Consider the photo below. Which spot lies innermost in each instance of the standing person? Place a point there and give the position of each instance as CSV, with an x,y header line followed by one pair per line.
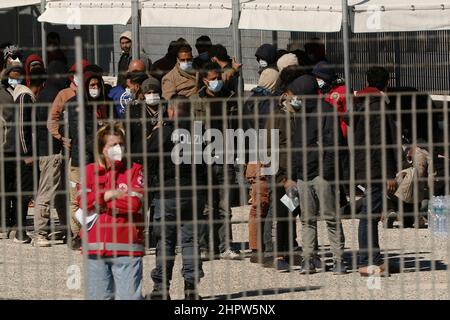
x,y
94,96
114,243
374,98
11,77
314,168
49,151
25,99
125,57
170,207
207,101
163,66
54,52
256,112
33,61
203,44
182,79
266,56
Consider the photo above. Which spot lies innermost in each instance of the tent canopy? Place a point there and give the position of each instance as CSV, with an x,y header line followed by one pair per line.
x,y
17,3
91,12
400,15
289,15
186,13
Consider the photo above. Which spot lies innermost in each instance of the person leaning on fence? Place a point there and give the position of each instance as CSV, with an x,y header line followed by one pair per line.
x,y
373,99
112,220
94,96
49,151
210,107
256,112
314,158
171,206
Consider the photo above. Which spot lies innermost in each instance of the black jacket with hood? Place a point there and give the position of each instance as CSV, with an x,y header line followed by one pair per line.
x,y
317,148
90,121
268,53
56,81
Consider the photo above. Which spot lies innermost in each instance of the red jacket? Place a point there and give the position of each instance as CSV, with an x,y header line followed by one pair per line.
x,y
336,97
120,224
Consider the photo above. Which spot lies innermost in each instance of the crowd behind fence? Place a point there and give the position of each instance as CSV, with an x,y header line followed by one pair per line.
x,y
166,170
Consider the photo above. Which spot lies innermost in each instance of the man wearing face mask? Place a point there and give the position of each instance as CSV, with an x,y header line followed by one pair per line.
x,y
182,79
266,56
203,44
125,57
94,96
316,167
208,108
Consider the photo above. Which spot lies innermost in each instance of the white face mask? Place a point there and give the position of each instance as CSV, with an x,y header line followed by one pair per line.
x,y
116,153
186,66
320,83
14,82
94,93
215,85
152,99
263,63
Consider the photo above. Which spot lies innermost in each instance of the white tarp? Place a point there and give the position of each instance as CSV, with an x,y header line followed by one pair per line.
x,y
400,15
290,15
17,3
87,12
186,13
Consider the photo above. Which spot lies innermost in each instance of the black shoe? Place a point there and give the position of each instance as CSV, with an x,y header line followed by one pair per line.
x,y
22,237
190,291
308,267
158,295
257,257
339,268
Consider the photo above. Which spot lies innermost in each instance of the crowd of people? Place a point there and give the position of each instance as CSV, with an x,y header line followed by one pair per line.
x,y
130,175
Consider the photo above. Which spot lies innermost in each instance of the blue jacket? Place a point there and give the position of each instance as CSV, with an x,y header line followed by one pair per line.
x,y
120,99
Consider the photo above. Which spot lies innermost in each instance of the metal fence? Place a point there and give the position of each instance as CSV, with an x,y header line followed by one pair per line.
x,y
226,223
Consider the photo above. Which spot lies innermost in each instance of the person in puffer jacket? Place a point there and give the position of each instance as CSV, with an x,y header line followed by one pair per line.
x,y
110,212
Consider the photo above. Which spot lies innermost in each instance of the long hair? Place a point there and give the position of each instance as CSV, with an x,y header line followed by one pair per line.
x,y
109,128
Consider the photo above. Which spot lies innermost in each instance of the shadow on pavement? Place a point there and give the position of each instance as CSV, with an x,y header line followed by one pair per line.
x,y
261,292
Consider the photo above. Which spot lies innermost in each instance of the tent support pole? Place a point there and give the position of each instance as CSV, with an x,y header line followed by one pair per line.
x,y
135,29
43,36
95,30
237,49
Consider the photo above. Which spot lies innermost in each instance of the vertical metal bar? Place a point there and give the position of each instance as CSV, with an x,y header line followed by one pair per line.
x,y
346,40
96,56
275,39
135,28
237,49
43,35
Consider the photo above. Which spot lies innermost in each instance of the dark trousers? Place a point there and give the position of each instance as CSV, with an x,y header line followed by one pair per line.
x,y
369,247
168,222
11,212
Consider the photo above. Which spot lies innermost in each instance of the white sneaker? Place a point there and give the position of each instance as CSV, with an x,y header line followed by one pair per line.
x,y
40,241
230,255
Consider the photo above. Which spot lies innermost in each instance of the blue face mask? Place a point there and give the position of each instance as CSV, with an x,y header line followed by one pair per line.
x,y
186,66
14,82
296,103
215,85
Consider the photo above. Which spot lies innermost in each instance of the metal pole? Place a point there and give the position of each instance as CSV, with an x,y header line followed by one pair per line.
x,y
135,28
275,39
95,30
82,138
43,36
237,49
346,41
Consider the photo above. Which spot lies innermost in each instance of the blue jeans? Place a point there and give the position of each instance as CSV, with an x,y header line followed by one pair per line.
x,y
117,278
369,247
166,233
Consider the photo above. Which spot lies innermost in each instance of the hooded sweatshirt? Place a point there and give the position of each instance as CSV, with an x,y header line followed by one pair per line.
x,y
268,53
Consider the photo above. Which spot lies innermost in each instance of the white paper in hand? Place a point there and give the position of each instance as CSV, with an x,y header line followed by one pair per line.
x,y
291,205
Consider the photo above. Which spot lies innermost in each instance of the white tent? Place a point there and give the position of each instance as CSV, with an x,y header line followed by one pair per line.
x,y
186,13
289,15
400,15
4,4
92,12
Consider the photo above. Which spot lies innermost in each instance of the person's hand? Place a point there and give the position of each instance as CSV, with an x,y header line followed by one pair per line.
x,y
113,194
226,76
235,65
289,184
66,142
391,186
28,161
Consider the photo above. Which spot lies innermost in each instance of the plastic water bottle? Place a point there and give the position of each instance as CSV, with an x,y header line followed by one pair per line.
x,y
432,215
441,219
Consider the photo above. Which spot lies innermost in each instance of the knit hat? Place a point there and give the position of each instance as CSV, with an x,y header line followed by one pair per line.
x,y
126,34
324,71
151,84
289,59
268,79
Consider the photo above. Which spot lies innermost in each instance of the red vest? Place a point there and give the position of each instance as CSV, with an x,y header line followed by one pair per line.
x,y
336,97
120,224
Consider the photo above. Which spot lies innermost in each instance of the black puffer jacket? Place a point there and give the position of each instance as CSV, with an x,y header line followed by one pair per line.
x,y
56,82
